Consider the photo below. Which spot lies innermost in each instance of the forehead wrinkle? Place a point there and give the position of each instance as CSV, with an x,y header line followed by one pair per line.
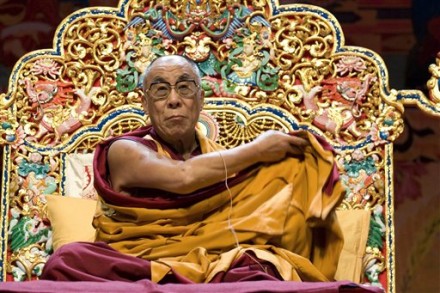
x,y
182,77
158,79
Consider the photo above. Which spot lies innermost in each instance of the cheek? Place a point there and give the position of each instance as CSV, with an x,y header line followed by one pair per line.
x,y
195,110
198,104
155,108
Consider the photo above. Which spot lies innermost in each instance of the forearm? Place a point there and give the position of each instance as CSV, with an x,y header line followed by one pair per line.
x,y
210,168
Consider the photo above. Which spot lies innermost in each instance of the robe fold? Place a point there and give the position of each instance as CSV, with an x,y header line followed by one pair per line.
x,y
281,214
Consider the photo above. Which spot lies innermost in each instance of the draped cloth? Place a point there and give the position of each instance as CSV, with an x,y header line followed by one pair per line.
x,y
280,213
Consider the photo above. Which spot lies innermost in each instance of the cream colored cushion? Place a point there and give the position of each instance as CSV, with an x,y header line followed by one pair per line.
x,y
71,219
355,226
78,176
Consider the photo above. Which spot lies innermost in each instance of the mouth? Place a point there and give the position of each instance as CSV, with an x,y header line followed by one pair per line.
x,y
175,117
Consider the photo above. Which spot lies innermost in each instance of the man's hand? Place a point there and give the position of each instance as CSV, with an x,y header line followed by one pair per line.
x,y
273,146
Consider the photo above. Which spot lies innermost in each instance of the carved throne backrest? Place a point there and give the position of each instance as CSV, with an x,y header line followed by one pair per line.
x,y
264,66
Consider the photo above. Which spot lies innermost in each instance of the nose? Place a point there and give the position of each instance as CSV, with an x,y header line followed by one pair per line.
x,y
174,100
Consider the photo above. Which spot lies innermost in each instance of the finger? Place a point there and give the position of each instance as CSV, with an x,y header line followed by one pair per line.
x,y
296,150
299,141
299,133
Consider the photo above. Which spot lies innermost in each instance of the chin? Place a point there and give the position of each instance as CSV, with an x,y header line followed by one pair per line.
x,y
177,132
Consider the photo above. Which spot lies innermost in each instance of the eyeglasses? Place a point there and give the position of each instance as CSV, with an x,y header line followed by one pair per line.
x,y
184,88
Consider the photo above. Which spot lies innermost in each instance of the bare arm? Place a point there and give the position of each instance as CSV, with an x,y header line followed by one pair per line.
x,y
135,165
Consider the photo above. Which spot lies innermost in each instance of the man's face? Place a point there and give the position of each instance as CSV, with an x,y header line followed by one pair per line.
x,y
174,116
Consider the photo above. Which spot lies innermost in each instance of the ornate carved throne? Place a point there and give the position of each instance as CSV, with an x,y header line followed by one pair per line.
x,y
264,66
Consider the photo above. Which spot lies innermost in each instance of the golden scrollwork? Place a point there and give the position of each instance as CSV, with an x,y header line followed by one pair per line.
x,y
236,130
27,263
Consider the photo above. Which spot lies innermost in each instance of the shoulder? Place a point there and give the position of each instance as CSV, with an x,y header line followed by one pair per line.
x,y
128,146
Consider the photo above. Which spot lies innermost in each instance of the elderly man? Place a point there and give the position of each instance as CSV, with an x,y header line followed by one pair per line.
x,y
176,207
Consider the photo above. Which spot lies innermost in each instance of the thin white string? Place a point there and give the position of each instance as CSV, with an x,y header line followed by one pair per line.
x,y
230,226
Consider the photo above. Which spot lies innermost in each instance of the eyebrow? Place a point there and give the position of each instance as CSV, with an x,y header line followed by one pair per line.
x,y
157,79
183,77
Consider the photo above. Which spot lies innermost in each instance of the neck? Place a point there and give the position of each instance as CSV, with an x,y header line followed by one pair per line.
x,y
183,146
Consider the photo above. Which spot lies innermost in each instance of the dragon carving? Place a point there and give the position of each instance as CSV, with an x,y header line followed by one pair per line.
x,y
342,97
49,100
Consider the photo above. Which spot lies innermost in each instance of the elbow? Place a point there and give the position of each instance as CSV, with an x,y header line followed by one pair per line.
x,y
185,182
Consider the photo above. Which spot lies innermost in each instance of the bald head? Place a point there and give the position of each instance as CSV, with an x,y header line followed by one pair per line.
x,y
169,59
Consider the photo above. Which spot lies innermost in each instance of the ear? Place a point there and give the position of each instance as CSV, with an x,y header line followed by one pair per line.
x,y
202,99
145,103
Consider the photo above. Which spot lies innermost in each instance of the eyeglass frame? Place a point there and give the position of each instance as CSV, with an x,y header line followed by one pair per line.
x,y
172,86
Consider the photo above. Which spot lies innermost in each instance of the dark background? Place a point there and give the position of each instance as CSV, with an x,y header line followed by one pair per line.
x,y
406,33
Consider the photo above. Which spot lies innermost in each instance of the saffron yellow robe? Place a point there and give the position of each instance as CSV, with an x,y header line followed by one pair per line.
x,y
280,212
